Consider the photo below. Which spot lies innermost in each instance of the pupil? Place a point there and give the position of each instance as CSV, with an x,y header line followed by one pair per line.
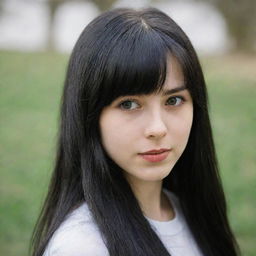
x,y
172,101
127,104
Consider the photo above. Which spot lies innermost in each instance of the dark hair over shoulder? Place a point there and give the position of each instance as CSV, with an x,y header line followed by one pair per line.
x,y
122,52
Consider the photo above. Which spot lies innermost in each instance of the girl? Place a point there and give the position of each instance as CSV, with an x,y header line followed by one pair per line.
x,y
136,172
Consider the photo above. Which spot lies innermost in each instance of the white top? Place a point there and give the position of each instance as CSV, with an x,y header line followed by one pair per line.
x,y
78,235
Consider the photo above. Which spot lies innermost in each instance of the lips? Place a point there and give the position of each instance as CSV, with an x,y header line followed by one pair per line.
x,y
155,155
156,151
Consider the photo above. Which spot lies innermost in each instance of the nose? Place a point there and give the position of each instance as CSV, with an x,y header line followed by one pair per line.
x,y
156,127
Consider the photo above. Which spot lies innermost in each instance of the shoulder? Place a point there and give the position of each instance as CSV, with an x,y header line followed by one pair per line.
x,y
77,235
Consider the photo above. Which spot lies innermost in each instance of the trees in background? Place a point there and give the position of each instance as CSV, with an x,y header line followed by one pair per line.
x,y
53,5
1,7
240,17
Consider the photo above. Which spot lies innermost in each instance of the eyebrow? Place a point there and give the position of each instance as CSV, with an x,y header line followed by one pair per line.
x,y
164,92
174,90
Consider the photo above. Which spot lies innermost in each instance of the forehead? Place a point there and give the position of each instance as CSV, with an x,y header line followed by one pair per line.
x,y
174,72
174,76
141,76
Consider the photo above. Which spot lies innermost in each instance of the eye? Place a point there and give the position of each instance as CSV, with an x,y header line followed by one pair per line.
x,y
129,105
175,100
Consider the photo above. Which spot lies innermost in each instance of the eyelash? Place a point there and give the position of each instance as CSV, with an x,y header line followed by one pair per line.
x,y
181,98
127,100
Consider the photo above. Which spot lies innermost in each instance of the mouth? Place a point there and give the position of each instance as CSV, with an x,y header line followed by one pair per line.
x,y
155,155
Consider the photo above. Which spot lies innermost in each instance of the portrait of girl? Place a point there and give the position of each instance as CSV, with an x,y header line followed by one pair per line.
x,y
136,171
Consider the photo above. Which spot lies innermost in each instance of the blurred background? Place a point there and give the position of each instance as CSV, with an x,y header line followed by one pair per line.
x,y
36,38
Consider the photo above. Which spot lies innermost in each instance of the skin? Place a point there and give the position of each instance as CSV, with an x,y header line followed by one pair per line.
x,y
134,124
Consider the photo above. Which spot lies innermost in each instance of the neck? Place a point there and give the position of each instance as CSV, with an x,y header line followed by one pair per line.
x,y
153,202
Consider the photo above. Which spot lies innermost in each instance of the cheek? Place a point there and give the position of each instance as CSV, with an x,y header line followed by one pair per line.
x,y
182,129
108,134
113,130
114,134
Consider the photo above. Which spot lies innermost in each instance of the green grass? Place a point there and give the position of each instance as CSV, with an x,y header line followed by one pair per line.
x,y
232,91
30,90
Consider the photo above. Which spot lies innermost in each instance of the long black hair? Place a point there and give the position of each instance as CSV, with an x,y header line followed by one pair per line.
x,y
125,51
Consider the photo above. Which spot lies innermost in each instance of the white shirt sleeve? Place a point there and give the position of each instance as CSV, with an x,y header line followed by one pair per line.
x,y
76,241
77,236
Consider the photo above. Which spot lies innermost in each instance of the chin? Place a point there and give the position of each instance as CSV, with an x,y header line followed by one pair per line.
x,y
154,175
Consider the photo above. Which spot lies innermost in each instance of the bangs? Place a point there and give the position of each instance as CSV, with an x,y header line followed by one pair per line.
x,y
136,65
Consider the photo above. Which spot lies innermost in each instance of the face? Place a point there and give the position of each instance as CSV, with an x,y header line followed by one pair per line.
x,y
146,134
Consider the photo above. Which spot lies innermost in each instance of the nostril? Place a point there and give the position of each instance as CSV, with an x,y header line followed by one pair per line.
x,y
156,132
155,126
